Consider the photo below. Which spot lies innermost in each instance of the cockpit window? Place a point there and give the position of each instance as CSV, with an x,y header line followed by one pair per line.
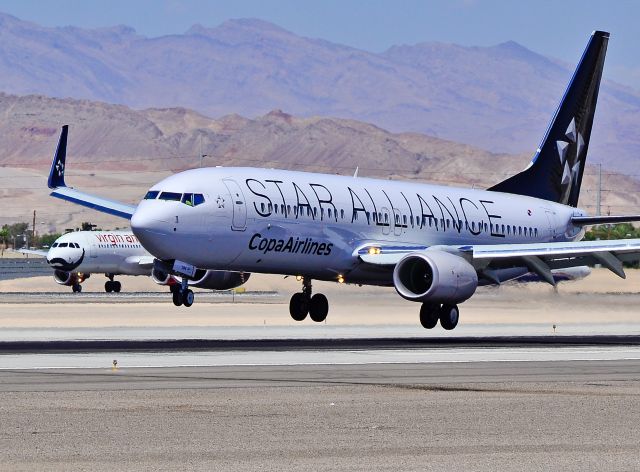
x,y
62,245
187,199
151,195
54,245
170,196
192,199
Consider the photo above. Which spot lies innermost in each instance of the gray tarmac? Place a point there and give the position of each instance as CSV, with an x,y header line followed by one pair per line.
x,y
561,415
234,384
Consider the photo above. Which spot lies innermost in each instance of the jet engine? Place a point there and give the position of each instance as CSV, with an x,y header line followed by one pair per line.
x,y
69,278
435,276
162,278
218,279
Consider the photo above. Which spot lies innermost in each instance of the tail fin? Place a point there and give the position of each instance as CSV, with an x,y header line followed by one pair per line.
x,y
555,173
56,174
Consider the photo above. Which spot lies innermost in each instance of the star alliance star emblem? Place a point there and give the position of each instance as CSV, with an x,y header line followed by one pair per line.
x,y
220,202
60,168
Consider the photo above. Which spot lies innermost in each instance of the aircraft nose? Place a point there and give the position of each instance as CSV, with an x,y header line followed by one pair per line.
x,y
151,230
65,259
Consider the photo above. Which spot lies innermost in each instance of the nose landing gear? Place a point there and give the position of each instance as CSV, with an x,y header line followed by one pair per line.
x,y
112,285
182,294
303,304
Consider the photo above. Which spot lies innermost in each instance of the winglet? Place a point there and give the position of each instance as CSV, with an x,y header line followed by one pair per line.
x,y
56,175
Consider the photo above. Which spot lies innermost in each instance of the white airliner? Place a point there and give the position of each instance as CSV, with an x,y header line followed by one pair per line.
x,y
434,244
75,256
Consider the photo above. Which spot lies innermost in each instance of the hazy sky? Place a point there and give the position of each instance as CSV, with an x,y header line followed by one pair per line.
x,y
554,28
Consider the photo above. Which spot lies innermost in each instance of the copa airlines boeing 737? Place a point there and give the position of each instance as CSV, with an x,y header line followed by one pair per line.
x,y
75,256
434,244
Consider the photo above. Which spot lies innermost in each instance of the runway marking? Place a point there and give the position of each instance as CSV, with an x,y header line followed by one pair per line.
x,y
303,358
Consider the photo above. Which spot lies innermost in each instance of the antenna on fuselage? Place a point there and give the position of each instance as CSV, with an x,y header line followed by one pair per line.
x,y
355,174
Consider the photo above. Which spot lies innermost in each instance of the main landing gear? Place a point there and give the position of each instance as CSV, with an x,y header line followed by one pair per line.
x,y
112,285
303,304
182,294
448,315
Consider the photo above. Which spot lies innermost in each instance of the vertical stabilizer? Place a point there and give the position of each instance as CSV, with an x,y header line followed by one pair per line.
x,y
555,172
56,174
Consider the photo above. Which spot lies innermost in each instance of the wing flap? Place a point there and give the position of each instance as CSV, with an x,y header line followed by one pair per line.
x,y
556,250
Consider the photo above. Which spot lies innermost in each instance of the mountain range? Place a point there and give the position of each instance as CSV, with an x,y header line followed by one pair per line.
x,y
498,98
119,152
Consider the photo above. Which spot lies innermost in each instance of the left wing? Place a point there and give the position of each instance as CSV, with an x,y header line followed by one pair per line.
x,y
60,189
540,258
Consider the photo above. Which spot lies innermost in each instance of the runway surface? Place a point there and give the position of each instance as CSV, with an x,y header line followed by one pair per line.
x,y
547,385
484,416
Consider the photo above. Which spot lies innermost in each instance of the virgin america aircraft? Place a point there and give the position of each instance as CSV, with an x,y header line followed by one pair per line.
x,y
75,256
434,244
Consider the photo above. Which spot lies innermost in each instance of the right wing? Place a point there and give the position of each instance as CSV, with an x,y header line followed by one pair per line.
x,y
60,190
34,252
539,258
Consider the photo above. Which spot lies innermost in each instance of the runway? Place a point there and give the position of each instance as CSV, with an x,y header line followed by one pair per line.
x,y
484,416
237,385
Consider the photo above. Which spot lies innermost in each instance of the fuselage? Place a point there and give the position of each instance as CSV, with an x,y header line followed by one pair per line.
x,y
286,222
112,252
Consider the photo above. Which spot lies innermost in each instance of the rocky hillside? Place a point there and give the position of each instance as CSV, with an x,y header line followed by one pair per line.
x,y
499,98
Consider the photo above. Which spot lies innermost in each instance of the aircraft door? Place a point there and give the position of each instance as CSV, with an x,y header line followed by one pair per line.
x,y
93,247
239,221
552,227
386,220
397,222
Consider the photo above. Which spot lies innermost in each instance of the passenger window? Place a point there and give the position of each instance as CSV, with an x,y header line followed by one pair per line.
x,y
151,195
171,196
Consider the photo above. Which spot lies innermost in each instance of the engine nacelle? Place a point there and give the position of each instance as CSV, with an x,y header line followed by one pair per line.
x,y
162,278
218,279
69,278
435,276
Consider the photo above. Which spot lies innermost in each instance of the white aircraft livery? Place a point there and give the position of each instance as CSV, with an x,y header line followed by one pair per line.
x,y
434,244
75,256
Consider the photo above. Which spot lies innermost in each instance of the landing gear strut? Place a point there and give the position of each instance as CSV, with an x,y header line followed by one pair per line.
x,y
303,304
182,294
448,315
112,285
